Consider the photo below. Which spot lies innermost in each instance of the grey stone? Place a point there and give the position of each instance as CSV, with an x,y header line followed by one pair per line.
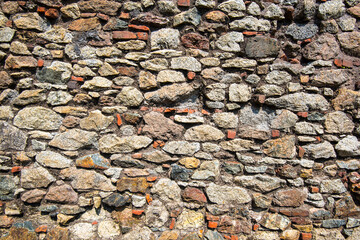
x,y
11,137
131,45
36,177
38,118
324,234
6,34
250,23
262,47
208,170
179,173
253,79
239,92
186,63
167,190
170,76
57,34
205,3
273,11
261,183
156,64
58,98
167,7
275,221
160,127
191,16
7,188
57,73
143,233
349,164
71,11
170,94
270,90
53,160
181,147
236,145
332,186
156,214
302,31
309,128
338,122
331,78
111,143
213,235
230,42
300,102
227,195
203,133
74,139
30,21
166,38
6,113
189,119
241,63
233,8
323,48
30,96
278,77
348,146
129,96
254,9
350,42
320,150
333,223
225,120
331,9
97,84
347,23
19,48
96,121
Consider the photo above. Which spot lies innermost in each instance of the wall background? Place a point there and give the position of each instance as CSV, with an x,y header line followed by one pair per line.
x,y
179,119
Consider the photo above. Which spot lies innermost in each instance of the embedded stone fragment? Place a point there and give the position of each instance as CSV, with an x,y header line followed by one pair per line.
x,y
170,93
261,183
117,200
241,63
130,96
6,113
82,230
181,147
7,188
57,73
324,48
261,47
190,219
320,150
5,79
57,34
281,148
203,133
195,40
11,138
35,177
61,194
324,234
227,195
58,98
151,19
20,233
111,143
350,41
87,180
103,6
332,78
160,127
74,139
53,160
97,84
84,24
338,122
136,233
30,21
250,23
157,157
96,121
348,146
302,31
186,63
191,16
236,145
147,80
131,45
165,38
191,194
233,7
167,190
19,48
300,102
38,118
108,230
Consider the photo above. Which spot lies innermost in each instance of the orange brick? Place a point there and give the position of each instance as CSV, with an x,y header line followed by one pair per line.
x,y
142,36
212,224
151,179
284,57
52,13
137,155
249,33
15,169
210,217
306,236
256,227
40,63
41,229
301,152
103,16
94,222
231,134
172,224
124,15
203,111
307,40
227,237
191,111
184,3
170,110
158,109
137,212
79,79
303,114
165,165
233,237
124,35
314,189
139,27
128,71
118,121
87,15
139,130
275,133
143,108
338,62
148,199
41,9
22,3
191,75
294,61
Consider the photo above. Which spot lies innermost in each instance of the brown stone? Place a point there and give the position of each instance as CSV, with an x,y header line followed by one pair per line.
x,y
160,127
16,62
191,194
5,221
102,6
281,147
125,219
346,99
61,194
216,16
246,132
355,11
20,234
234,226
346,207
58,233
290,198
84,24
324,48
287,171
350,41
195,40
71,121
169,235
5,80
33,196
132,184
150,19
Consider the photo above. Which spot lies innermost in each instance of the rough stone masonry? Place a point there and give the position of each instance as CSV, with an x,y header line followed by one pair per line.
x,y
179,119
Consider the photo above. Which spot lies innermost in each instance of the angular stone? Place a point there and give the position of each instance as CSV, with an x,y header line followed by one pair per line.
x,y
107,70
103,6
96,121
233,7
130,96
324,234
74,139
231,225
260,183
57,34
82,230
332,186
69,110
290,198
7,188
19,48
350,42
302,31
346,207
300,102
143,233
35,177
331,78
117,200
6,113
157,157
262,47
53,160
169,235
87,180
239,92
131,45
147,80
271,90
16,62
273,11
338,122
167,190
320,150
93,161
225,120
179,173
213,235
203,133
324,48
230,42
30,96
241,63
59,98
57,73
108,230
97,84
84,24
191,16
156,215
30,21
195,40
165,38
332,9
250,23
156,64
161,127
237,145
346,99
71,11
190,219
308,128
61,194
227,195
38,118
170,93
6,34
278,77
186,63
5,80
20,233
275,221
111,143
191,194
168,7
151,19
11,138
181,147
281,148
170,76
348,146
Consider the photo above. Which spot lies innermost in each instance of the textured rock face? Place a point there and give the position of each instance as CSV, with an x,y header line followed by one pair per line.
x,y
179,119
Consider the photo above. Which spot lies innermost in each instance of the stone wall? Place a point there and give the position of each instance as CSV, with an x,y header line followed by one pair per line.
x,y
184,119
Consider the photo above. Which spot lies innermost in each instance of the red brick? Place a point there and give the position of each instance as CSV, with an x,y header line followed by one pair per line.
x,y
15,169
40,63
212,224
41,229
151,179
256,227
191,75
294,61
87,15
124,15
172,224
148,199
118,120
314,189
52,13
142,36
94,222
139,27
184,3
137,155
249,33
41,9
306,236
143,108
166,165
137,212
307,40
304,78
231,134
338,62
124,35
233,237
203,111
275,133
79,79
103,16
22,3
303,114
261,98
